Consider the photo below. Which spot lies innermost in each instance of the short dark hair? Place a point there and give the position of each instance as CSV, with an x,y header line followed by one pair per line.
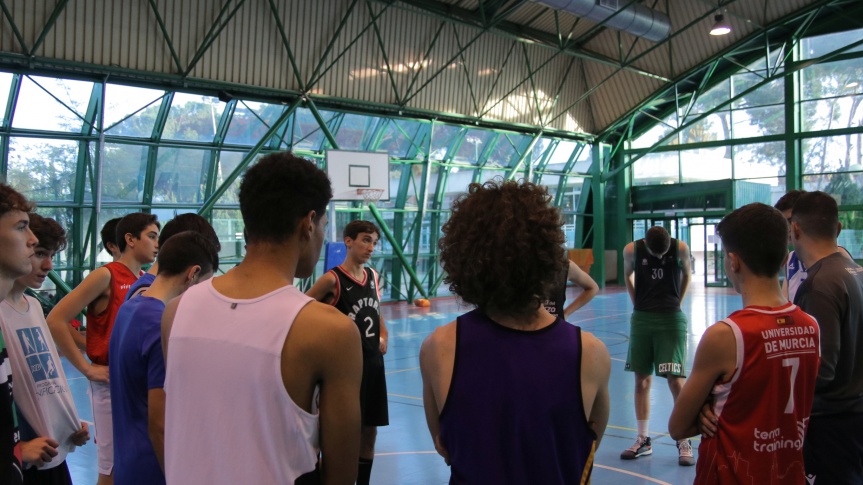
x,y
134,224
12,200
354,228
818,215
49,232
186,249
277,192
189,222
786,202
109,233
758,235
657,240
502,247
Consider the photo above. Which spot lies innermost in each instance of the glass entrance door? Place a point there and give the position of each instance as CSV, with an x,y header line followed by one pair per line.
x,y
706,249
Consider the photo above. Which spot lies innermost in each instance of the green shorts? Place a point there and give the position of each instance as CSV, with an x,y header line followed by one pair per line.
x,y
657,344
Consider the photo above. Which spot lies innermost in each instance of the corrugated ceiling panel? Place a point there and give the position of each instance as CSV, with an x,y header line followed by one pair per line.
x,y
249,50
619,94
29,17
356,47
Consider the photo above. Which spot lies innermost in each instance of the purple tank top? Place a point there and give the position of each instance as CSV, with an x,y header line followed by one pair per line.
x,y
514,412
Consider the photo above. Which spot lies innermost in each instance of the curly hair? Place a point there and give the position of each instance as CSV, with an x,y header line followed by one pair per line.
x,y
502,247
12,200
49,232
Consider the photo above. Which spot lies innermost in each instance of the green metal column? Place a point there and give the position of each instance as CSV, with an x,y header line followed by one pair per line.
x,y
793,158
622,227
600,153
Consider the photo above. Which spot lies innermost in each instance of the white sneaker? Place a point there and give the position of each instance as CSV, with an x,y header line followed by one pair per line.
x,y
684,450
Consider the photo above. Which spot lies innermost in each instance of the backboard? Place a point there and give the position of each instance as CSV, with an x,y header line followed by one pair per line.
x,y
353,170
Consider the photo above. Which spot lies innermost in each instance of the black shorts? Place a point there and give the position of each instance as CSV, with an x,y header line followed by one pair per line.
x,y
59,475
373,392
833,449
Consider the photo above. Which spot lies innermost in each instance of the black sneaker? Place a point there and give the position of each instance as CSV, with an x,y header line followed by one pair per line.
x,y
640,448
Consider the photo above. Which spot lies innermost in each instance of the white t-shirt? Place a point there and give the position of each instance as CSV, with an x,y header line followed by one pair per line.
x,y
41,390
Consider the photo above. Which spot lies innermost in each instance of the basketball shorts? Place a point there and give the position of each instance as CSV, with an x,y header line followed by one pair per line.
x,y
373,392
657,344
100,397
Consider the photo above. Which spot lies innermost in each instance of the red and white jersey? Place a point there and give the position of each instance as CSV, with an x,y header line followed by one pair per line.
x,y
763,409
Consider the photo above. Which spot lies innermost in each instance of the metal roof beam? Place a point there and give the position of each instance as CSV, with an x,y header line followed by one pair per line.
x,y
517,32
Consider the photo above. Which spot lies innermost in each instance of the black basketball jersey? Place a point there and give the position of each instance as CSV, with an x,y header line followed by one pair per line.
x,y
359,300
557,301
657,280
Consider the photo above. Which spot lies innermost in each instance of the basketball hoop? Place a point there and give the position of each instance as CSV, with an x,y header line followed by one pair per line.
x,y
370,196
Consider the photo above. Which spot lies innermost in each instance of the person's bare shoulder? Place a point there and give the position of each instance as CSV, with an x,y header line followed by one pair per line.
x,y
441,340
325,329
596,356
629,249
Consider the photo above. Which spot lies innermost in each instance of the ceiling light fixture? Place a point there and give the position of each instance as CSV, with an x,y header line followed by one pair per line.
x,y
720,27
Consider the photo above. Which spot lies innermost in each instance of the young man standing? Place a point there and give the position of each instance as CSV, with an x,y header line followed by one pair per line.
x,y
250,346
658,329
101,293
757,366
556,305
136,365
512,395
17,244
183,222
833,294
353,289
51,428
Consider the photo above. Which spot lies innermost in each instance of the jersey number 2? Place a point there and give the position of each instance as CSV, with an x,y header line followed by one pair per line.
x,y
794,363
371,323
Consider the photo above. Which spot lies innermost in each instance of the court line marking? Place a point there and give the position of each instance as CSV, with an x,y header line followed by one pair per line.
x,y
627,472
619,360
596,465
401,370
600,317
405,397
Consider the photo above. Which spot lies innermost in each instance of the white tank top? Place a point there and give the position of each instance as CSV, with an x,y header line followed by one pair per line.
x,y
42,392
228,418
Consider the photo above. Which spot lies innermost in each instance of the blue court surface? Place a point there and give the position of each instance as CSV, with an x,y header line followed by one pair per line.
x,y
405,454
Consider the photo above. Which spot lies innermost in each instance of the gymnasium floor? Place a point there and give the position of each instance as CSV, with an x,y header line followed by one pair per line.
x,y
405,455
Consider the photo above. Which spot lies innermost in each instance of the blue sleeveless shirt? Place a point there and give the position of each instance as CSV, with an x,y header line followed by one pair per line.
x,y
514,413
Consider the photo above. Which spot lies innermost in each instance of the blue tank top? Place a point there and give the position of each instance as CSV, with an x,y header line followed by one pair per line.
x,y
514,413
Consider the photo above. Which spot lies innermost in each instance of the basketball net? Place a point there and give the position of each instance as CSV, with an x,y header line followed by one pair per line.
x,y
371,196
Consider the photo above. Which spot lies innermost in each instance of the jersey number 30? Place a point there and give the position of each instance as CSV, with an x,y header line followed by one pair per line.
x,y
657,274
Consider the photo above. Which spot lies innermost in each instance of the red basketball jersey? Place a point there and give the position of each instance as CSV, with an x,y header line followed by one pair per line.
x,y
99,326
764,408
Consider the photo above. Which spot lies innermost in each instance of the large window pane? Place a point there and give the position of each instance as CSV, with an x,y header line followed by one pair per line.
x,y
768,94
752,122
229,227
832,79
846,188
851,237
813,47
656,168
473,145
832,154
251,121
658,132
714,127
131,111
307,132
354,131
52,104
193,118
443,137
398,136
759,160
43,169
705,164
123,172
829,114
180,176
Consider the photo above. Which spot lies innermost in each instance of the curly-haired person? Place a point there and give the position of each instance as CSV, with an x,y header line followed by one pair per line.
x,y
511,393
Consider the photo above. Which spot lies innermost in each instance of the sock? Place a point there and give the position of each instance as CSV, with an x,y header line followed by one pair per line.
x,y
364,471
642,427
